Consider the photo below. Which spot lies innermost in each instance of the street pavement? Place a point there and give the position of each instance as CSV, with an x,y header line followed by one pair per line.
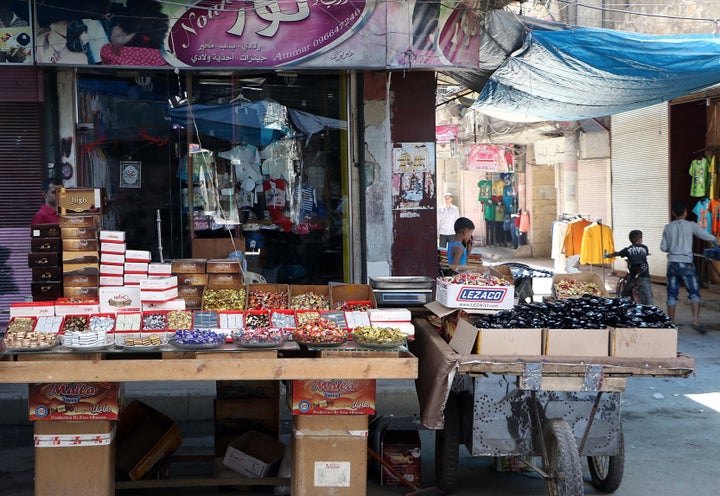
x,y
671,428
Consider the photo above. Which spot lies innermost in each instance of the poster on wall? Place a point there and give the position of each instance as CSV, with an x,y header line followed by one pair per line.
x,y
490,158
15,32
261,34
413,176
130,174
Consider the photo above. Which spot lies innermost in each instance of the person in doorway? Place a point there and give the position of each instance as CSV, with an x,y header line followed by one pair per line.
x,y
446,217
461,246
638,268
47,214
677,242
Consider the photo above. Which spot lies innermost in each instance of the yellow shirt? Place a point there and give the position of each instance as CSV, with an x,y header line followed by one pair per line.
x,y
596,241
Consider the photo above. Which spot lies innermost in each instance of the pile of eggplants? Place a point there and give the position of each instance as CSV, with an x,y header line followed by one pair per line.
x,y
586,312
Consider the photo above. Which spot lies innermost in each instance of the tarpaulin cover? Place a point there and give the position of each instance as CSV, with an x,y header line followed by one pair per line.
x,y
565,73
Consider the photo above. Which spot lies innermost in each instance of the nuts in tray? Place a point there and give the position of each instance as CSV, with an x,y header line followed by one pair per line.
x,y
75,323
389,336
570,288
21,324
29,339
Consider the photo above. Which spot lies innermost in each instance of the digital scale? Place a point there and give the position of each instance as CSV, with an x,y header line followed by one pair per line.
x,y
402,291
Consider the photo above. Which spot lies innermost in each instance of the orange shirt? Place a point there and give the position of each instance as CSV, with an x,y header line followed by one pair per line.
x,y
573,237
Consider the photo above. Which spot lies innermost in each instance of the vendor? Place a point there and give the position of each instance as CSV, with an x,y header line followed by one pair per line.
x,y
458,250
47,214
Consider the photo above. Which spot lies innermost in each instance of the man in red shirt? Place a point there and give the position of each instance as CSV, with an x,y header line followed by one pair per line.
x,y
48,211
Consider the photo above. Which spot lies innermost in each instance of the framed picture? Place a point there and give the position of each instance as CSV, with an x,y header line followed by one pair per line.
x,y
130,174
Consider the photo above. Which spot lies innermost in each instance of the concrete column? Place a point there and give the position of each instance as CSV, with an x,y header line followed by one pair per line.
x,y
570,172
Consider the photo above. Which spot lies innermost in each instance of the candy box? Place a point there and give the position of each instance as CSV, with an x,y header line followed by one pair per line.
x,y
117,236
45,231
32,308
189,265
80,244
75,401
226,266
76,306
120,298
351,292
80,221
160,269
489,297
575,285
224,280
80,291
309,297
266,296
139,256
72,201
332,397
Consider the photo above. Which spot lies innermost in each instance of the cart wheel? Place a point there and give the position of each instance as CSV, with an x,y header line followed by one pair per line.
x,y
447,446
563,464
606,472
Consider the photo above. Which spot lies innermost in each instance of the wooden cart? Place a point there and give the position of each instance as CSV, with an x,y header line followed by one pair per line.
x,y
556,408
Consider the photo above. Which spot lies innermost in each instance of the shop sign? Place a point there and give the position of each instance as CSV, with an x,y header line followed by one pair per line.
x,y
16,33
490,158
446,133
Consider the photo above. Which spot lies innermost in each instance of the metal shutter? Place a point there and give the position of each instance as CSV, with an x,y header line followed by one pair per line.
x,y
593,189
21,166
640,178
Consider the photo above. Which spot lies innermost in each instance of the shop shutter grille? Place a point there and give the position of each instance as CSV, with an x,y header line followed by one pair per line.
x,y
640,179
593,187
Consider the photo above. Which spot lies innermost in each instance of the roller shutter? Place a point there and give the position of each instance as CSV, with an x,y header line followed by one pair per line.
x,y
640,177
21,166
594,189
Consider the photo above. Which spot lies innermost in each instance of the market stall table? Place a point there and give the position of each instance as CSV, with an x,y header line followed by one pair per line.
x,y
228,362
530,405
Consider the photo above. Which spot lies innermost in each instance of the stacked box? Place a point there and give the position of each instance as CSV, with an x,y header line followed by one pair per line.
x,y
80,255
244,406
45,262
192,278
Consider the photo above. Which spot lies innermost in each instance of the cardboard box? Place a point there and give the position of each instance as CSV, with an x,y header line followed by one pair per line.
x,y
45,291
80,201
112,259
45,231
577,342
113,247
332,397
136,267
43,259
318,289
145,437
84,268
112,281
224,280
78,233
176,304
402,449
469,339
643,342
352,292
47,274
74,401
159,269
581,278
39,245
112,236
192,279
138,256
134,279
122,298
478,297
32,309
111,269
159,283
77,306
62,447
193,291
254,454
81,291
329,455
81,281
189,265
157,295
223,266
77,257
80,221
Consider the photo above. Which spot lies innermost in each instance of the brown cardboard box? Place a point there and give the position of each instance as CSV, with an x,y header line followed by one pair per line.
x,y
643,342
185,291
577,342
84,268
144,438
329,455
352,292
301,289
80,221
39,245
61,447
469,339
81,291
223,265
80,244
81,281
77,401
44,291
45,230
234,417
580,277
192,279
254,454
49,274
76,257
189,265
43,260
71,201
402,450
78,233
224,280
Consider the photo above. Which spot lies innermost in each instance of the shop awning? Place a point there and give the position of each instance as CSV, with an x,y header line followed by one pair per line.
x,y
565,73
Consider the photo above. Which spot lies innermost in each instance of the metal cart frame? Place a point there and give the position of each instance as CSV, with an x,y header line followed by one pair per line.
x,y
556,408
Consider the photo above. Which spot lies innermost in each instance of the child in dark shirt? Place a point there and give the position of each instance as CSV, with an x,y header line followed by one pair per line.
x,y
636,255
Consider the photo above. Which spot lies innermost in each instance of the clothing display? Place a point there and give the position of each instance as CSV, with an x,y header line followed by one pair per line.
x,y
246,162
596,241
573,237
524,224
715,213
704,214
484,190
699,172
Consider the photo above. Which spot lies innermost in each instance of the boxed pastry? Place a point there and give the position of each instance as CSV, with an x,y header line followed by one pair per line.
x,y
138,256
78,233
72,201
111,280
82,268
215,266
112,259
77,306
45,230
74,401
32,308
43,260
47,274
46,291
122,298
81,291
189,265
38,245
80,221
134,279
111,269
112,247
159,269
332,397
76,257
80,244
118,236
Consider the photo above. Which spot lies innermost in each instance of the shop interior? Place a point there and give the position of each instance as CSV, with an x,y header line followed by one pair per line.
x,y
263,154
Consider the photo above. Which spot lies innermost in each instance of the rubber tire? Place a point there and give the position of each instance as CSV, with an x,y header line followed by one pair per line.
x,y
606,472
563,460
620,287
447,447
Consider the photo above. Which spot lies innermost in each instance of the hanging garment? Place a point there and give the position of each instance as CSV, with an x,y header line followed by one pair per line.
x,y
484,190
699,172
704,214
713,179
573,237
524,225
596,241
715,212
559,229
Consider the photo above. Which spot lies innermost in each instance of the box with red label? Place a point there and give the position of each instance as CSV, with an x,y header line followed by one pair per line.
x,y
120,298
402,450
112,247
474,296
112,280
138,256
117,236
80,221
135,267
32,308
111,269
134,279
75,401
112,259
76,306
159,269
332,397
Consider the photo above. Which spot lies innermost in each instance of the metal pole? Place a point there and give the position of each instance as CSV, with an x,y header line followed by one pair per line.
x,y
159,234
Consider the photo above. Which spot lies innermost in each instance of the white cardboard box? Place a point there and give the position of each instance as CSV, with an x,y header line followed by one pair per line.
x,y
389,314
120,298
159,283
32,309
253,454
112,259
111,281
577,342
134,279
138,256
159,269
176,304
157,295
112,236
111,269
468,296
469,339
112,247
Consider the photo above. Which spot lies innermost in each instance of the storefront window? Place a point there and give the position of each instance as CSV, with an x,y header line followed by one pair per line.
x,y
264,156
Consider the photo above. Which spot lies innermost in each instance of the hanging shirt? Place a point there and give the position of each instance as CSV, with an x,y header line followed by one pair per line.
x,y
508,196
499,213
246,161
489,211
704,214
274,194
713,180
715,212
596,241
484,190
497,190
573,237
559,229
524,225
699,172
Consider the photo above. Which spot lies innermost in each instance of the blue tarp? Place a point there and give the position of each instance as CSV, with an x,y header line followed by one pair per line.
x,y
575,73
